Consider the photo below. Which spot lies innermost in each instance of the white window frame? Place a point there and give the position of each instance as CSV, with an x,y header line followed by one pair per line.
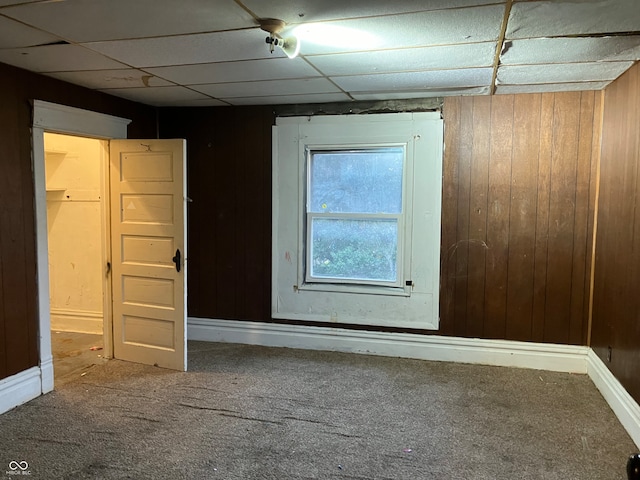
x,y
305,279
414,303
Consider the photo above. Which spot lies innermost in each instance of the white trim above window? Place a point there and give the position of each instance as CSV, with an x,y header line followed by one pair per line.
x,y
400,227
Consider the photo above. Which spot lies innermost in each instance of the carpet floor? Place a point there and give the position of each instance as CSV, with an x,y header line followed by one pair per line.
x,y
248,412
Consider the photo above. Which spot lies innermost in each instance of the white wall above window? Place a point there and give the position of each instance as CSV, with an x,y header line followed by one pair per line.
x,y
413,300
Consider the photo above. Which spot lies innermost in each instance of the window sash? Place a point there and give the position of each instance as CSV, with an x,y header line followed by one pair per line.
x,y
398,219
365,155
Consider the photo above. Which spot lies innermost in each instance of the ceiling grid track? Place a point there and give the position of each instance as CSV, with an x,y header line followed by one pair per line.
x,y
500,45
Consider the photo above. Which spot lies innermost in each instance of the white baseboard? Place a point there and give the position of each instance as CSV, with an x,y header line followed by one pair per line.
x,y
19,388
623,405
46,371
542,356
80,321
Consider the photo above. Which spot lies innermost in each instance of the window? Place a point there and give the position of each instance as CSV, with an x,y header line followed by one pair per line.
x,y
356,219
354,216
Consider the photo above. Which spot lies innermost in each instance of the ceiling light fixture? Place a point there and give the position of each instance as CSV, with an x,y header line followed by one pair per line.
x,y
289,45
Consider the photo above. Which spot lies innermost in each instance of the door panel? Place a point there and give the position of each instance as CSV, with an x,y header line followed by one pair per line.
x,y
147,228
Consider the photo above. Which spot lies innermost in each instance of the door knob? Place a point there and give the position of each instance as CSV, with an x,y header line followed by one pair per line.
x,y
177,259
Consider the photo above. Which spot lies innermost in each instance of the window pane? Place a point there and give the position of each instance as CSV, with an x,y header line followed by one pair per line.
x,y
356,181
354,249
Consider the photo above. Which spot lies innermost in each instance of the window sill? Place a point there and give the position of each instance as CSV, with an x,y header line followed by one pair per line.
x,y
361,289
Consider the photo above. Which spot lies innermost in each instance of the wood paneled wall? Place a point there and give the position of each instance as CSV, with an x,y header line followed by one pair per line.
x,y
229,234
18,315
616,304
519,192
18,347
517,217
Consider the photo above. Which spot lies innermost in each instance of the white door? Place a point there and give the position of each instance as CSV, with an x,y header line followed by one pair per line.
x,y
148,240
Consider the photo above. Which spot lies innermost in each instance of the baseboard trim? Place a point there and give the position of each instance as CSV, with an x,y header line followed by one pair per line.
x,y
81,321
623,405
541,356
46,371
19,388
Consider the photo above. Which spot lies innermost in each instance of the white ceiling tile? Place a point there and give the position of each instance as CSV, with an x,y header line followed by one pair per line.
x,y
314,10
268,88
248,70
85,21
372,49
551,87
441,27
560,73
99,79
430,80
54,58
157,96
400,95
189,49
570,50
14,34
552,18
423,58
289,99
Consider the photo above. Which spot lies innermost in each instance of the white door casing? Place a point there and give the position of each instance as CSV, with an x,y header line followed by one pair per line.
x,y
148,239
56,118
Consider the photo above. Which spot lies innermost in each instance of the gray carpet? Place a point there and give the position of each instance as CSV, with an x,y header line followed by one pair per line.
x,y
245,412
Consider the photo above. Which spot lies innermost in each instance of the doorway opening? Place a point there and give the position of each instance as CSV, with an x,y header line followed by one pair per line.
x,y
51,117
76,184
144,222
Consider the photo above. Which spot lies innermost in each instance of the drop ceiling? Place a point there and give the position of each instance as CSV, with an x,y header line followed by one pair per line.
x,y
213,52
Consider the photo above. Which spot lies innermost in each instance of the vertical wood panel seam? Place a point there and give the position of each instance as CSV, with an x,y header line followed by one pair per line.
x,y
506,303
575,207
535,224
455,165
457,161
447,252
546,273
470,201
596,134
31,324
595,221
463,170
486,224
587,271
535,178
